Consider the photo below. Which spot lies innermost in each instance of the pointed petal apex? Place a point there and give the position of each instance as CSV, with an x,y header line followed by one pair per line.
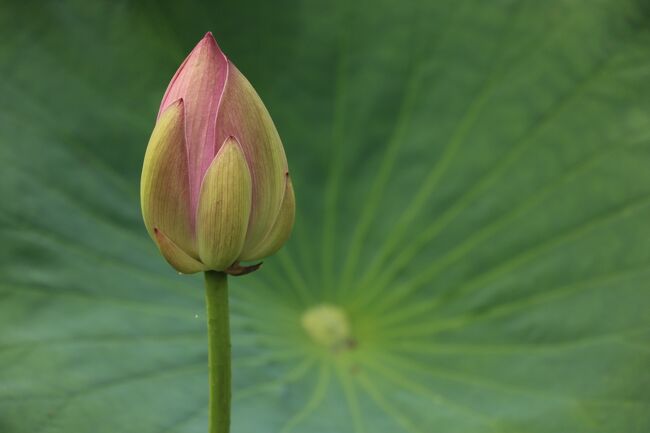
x,y
281,229
175,256
224,207
208,37
164,185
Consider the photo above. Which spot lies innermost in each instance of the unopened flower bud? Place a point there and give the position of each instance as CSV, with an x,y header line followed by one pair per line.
x,y
215,187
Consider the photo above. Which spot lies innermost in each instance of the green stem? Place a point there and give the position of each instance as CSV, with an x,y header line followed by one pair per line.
x,y
216,297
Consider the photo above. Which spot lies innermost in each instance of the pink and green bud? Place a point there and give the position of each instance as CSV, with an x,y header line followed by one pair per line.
x,y
215,186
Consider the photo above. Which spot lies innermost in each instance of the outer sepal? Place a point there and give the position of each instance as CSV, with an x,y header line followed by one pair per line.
x,y
164,186
237,270
175,256
243,115
281,229
224,207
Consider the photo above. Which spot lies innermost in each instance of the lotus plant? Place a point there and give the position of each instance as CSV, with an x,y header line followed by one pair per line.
x,y
215,191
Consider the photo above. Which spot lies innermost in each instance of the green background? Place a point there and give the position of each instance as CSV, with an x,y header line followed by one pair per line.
x,y
473,187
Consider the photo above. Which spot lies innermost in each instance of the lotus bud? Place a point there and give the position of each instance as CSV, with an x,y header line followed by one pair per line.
x,y
215,187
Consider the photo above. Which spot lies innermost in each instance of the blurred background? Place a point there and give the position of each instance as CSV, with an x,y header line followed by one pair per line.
x,y
473,189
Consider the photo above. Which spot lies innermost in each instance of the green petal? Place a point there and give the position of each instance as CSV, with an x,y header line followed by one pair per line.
x,y
224,207
281,229
243,115
164,185
175,256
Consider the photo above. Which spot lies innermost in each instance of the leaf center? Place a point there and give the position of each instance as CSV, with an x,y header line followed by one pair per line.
x,y
328,326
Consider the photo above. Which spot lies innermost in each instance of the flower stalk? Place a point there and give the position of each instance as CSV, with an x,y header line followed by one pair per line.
x,y
218,318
